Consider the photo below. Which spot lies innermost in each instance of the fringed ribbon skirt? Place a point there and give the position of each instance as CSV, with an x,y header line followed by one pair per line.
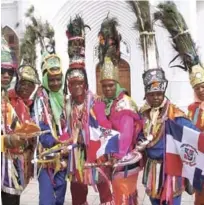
x,y
158,184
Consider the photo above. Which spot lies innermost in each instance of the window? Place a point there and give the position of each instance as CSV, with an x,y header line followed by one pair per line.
x,y
13,54
11,39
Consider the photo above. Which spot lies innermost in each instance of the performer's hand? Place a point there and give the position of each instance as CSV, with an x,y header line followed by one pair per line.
x,y
113,160
141,145
99,111
13,141
65,152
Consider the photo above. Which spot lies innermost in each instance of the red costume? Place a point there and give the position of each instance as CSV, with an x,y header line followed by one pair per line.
x,y
81,108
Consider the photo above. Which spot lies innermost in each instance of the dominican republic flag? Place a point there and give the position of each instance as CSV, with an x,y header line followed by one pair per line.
x,y
185,153
102,140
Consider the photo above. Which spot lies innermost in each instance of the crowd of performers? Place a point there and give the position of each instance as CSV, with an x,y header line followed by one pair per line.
x,y
46,124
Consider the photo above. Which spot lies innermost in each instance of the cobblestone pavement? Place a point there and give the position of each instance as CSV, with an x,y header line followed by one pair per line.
x,y
31,193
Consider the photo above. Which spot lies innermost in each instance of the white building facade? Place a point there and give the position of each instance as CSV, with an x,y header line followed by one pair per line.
x,y
58,13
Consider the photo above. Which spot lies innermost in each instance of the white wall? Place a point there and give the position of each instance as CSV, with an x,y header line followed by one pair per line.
x,y
12,13
200,28
9,14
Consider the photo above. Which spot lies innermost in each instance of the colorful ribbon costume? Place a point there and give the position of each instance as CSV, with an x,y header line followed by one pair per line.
x,y
122,113
160,187
84,112
191,63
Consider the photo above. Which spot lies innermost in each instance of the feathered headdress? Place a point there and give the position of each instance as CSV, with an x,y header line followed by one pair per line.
x,y
44,34
76,50
182,41
153,77
76,42
27,69
109,49
6,56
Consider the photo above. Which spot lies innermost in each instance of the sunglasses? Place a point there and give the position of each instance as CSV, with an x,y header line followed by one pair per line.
x,y
10,72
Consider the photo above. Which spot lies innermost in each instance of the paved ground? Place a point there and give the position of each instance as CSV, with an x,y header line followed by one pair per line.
x,y
30,196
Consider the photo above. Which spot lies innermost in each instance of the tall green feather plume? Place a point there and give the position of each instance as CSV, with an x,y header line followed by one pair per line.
x,y
28,47
144,25
36,32
41,32
109,41
76,29
182,41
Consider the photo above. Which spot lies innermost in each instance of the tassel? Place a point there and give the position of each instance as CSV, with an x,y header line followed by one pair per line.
x,y
3,168
14,176
190,115
80,164
57,163
93,183
50,176
154,180
202,118
70,177
149,178
21,171
39,171
70,164
90,177
86,176
195,117
9,168
173,184
37,109
96,176
167,193
158,171
146,171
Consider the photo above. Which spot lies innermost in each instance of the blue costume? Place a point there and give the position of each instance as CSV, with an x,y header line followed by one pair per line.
x,y
52,186
52,172
160,187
